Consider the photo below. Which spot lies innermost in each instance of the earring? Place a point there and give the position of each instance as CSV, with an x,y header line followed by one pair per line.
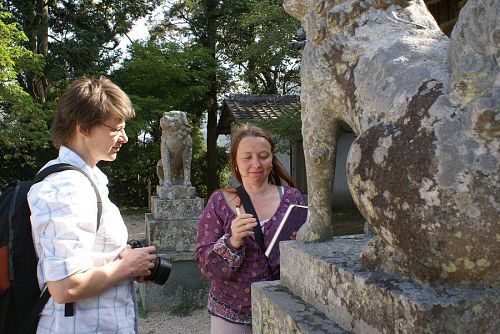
x,y
271,175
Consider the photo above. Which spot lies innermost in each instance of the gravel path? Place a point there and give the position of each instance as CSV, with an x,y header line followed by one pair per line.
x,y
162,322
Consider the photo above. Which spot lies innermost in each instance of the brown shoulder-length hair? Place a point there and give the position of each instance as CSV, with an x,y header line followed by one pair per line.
x,y
278,172
87,103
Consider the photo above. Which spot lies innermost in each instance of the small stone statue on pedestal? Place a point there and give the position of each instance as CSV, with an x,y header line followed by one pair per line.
x,y
174,168
171,226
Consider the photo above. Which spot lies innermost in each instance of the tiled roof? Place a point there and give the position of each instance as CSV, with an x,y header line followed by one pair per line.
x,y
247,108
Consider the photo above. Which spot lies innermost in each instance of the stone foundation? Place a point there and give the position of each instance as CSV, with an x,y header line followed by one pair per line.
x,y
171,235
172,227
175,192
272,301
328,276
184,286
176,209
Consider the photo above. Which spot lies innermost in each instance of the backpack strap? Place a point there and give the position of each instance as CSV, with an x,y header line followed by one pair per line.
x,y
64,166
247,204
31,320
45,296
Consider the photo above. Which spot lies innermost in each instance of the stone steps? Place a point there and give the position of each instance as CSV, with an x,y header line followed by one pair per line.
x,y
280,311
328,276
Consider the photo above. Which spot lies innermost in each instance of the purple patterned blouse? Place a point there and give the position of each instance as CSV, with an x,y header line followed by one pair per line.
x,y
231,270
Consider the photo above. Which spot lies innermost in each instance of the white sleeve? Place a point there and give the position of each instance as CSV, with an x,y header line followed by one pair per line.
x,y
64,220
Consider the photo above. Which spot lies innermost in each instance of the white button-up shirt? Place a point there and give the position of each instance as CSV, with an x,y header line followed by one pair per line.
x,y
64,221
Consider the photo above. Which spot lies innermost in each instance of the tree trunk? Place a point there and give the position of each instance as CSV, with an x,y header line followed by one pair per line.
x,y
36,27
42,36
211,102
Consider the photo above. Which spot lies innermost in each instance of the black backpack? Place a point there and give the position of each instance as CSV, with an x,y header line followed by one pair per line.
x,y
21,300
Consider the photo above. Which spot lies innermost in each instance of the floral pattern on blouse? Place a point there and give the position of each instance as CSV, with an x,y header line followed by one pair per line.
x,y
232,271
232,257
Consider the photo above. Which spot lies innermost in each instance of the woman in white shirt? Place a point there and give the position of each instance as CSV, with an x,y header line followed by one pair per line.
x,y
80,264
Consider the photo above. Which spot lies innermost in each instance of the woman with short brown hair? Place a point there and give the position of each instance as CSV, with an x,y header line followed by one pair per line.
x,y
85,263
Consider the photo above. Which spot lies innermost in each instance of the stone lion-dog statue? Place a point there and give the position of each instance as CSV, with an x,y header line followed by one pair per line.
x,y
174,167
424,168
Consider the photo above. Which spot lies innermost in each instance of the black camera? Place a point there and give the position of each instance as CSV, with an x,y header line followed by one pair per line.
x,y
161,269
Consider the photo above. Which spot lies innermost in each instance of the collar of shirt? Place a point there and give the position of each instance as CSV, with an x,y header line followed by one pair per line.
x,y
69,156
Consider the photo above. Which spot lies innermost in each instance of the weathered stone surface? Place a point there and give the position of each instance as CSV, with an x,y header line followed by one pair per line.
x,y
184,286
275,311
175,192
329,276
177,209
424,169
174,168
171,235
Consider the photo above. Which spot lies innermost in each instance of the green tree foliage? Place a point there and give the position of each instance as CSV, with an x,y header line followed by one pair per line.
x,y
174,74
220,46
73,38
257,43
158,77
198,20
23,126
76,37
287,127
248,39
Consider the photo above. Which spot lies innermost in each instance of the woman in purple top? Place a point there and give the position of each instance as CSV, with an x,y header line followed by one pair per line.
x,y
227,252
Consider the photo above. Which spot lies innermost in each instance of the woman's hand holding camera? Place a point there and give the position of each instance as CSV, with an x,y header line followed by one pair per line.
x,y
241,227
139,260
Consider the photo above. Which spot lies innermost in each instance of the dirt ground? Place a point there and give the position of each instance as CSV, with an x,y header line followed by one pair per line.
x,y
136,223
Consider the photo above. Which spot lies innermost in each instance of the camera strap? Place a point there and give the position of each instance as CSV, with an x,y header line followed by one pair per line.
x,y
247,204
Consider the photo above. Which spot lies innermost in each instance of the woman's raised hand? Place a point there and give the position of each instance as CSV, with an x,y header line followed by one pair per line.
x,y
241,227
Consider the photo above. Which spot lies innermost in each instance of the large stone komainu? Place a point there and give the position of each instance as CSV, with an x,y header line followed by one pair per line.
x,y
424,169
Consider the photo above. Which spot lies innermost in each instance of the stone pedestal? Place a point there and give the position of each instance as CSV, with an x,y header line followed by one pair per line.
x,y
185,285
172,227
171,235
176,192
323,288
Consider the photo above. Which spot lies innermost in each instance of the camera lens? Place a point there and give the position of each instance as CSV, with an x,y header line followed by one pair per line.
x,y
161,270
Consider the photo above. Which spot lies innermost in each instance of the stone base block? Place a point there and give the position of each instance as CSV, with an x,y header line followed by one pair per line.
x,y
176,192
176,209
329,276
171,235
276,310
185,286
